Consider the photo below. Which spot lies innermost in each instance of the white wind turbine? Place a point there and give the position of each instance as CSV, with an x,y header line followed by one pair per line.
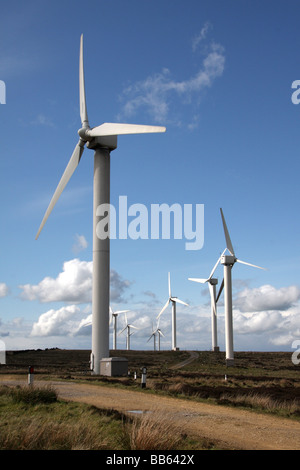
x,y
102,139
228,261
127,327
212,282
174,300
155,333
113,317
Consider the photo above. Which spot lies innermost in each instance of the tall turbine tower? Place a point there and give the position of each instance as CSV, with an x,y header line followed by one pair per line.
x,y
114,316
212,283
127,327
102,139
174,300
228,261
157,332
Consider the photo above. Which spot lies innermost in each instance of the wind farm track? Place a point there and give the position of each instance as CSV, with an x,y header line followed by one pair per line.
x,y
193,356
230,428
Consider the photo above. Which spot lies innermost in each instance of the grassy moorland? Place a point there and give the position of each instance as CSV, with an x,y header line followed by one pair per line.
x,y
34,418
266,381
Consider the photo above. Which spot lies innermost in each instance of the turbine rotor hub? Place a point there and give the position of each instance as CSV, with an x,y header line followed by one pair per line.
x,y
83,134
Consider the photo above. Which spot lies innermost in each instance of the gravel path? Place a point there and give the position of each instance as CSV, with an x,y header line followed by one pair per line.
x,y
232,428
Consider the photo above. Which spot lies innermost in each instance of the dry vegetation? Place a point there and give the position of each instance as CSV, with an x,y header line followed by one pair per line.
x,y
32,418
266,382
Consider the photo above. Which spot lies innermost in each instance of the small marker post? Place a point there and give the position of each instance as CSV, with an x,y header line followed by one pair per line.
x,y
30,375
144,375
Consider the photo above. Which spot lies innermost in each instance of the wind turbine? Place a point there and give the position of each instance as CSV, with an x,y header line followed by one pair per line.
x,y
102,139
128,326
174,300
228,261
212,282
114,316
155,333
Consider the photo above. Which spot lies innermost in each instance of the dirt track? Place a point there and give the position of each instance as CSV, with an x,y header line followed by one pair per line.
x,y
232,428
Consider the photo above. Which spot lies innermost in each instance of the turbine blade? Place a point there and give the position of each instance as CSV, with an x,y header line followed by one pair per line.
x,y
109,128
82,100
122,330
164,308
160,333
175,299
150,337
249,264
71,167
214,268
227,237
202,281
220,290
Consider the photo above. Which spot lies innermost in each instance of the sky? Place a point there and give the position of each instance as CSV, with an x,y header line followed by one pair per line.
x,y
221,76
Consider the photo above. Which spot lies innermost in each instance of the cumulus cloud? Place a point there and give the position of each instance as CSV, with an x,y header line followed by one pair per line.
x,y
55,322
156,93
73,284
267,297
258,322
118,286
4,289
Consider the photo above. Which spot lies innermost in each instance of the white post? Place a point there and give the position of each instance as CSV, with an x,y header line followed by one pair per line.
x,y
101,262
30,375
144,375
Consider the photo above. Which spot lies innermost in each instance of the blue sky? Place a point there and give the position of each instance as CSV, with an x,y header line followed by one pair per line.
x,y
218,75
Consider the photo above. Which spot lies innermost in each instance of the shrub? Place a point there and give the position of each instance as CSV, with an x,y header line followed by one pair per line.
x,y
32,395
154,431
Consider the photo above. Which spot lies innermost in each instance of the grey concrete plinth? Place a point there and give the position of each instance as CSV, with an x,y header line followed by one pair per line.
x,y
114,366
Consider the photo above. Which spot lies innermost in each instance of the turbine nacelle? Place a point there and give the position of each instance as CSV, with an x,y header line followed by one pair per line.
x,y
213,281
228,260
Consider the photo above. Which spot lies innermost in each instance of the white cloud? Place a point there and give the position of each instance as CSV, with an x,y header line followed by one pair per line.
x,y
258,322
157,93
73,284
55,322
201,36
267,297
4,289
79,244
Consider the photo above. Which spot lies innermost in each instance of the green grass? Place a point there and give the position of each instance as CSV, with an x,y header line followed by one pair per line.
x,y
34,419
